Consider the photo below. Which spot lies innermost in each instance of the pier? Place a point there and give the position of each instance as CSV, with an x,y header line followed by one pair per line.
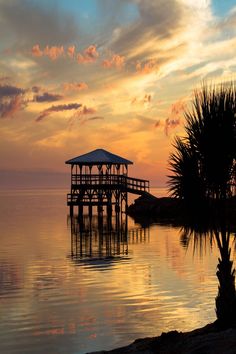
x,y
100,179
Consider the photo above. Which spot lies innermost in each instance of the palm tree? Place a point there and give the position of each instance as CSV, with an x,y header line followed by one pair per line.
x,y
185,181
199,235
209,147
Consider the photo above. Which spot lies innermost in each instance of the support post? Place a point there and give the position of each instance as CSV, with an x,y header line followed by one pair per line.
x,y
71,210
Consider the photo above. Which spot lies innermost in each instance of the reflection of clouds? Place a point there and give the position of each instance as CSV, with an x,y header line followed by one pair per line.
x,y
10,278
75,308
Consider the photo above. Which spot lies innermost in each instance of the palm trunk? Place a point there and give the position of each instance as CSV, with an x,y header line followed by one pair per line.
x,y
226,298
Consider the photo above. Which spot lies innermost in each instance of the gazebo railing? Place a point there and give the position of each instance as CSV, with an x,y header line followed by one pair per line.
x,y
109,180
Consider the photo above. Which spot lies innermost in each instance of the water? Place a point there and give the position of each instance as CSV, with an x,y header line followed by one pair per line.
x,y
60,293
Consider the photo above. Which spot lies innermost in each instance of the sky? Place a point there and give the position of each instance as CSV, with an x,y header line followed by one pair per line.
x,y
114,74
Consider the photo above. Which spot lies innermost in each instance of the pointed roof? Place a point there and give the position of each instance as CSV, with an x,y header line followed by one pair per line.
x,y
97,157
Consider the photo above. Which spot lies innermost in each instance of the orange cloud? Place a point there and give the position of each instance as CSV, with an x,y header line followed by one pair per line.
x,y
116,61
178,107
71,51
142,101
75,86
89,55
84,111
80,114
36,51
146,67
157,124
171,123
54,52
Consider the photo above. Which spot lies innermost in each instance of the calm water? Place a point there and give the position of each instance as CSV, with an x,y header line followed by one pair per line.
x,y
64,293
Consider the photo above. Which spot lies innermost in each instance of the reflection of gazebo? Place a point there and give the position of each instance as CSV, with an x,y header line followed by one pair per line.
x,y
97,240
100,178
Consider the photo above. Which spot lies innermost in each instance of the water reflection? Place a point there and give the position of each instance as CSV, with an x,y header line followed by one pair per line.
x,y
10,279
103,239
200,236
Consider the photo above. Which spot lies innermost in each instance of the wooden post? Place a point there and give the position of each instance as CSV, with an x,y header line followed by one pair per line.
x,y
90,210
80,210
71,210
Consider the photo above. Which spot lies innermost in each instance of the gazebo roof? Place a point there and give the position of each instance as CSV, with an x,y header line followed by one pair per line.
x,y
99,157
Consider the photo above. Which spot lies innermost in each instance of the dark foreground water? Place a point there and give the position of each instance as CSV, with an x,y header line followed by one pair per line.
x,y
61,292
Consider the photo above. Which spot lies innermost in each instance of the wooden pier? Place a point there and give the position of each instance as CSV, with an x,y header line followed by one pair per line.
x,y
100,179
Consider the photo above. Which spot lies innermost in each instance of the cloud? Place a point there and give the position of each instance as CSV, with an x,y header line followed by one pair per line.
x,y
178,107
11,100
91,119
117,61
89,55
147,67
71,51
174,120
142,101
171,123
54,52
28,22
81,113
47,97
84,111
157,19
228,23
35,89
10,107
4,78
96,118
8,91
75,86
36,51
58,108
158,123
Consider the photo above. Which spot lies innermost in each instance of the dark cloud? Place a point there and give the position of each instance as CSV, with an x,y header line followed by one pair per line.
x,y
11,106
58,108
96,118
36,89
9,91
11,100
90,119
30,22
157,124
47,97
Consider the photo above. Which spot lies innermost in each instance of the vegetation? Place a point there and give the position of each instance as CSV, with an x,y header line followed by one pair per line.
x,y
201,235
203,165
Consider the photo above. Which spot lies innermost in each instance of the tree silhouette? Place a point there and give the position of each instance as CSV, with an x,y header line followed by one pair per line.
x,y
205,159
200,235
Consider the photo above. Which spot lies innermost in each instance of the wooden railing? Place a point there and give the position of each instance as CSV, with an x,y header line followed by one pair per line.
x,y
110,181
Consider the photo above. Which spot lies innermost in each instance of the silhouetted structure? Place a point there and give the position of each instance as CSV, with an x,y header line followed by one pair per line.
x,y
100,178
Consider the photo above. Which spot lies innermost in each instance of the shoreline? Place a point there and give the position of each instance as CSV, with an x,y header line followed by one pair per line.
x,y
206,340
148,209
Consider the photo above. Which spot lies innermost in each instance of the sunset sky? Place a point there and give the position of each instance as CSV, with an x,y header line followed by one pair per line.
x,y
79,75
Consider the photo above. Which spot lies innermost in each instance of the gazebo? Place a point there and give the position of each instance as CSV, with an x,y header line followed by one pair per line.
x,y
100,178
